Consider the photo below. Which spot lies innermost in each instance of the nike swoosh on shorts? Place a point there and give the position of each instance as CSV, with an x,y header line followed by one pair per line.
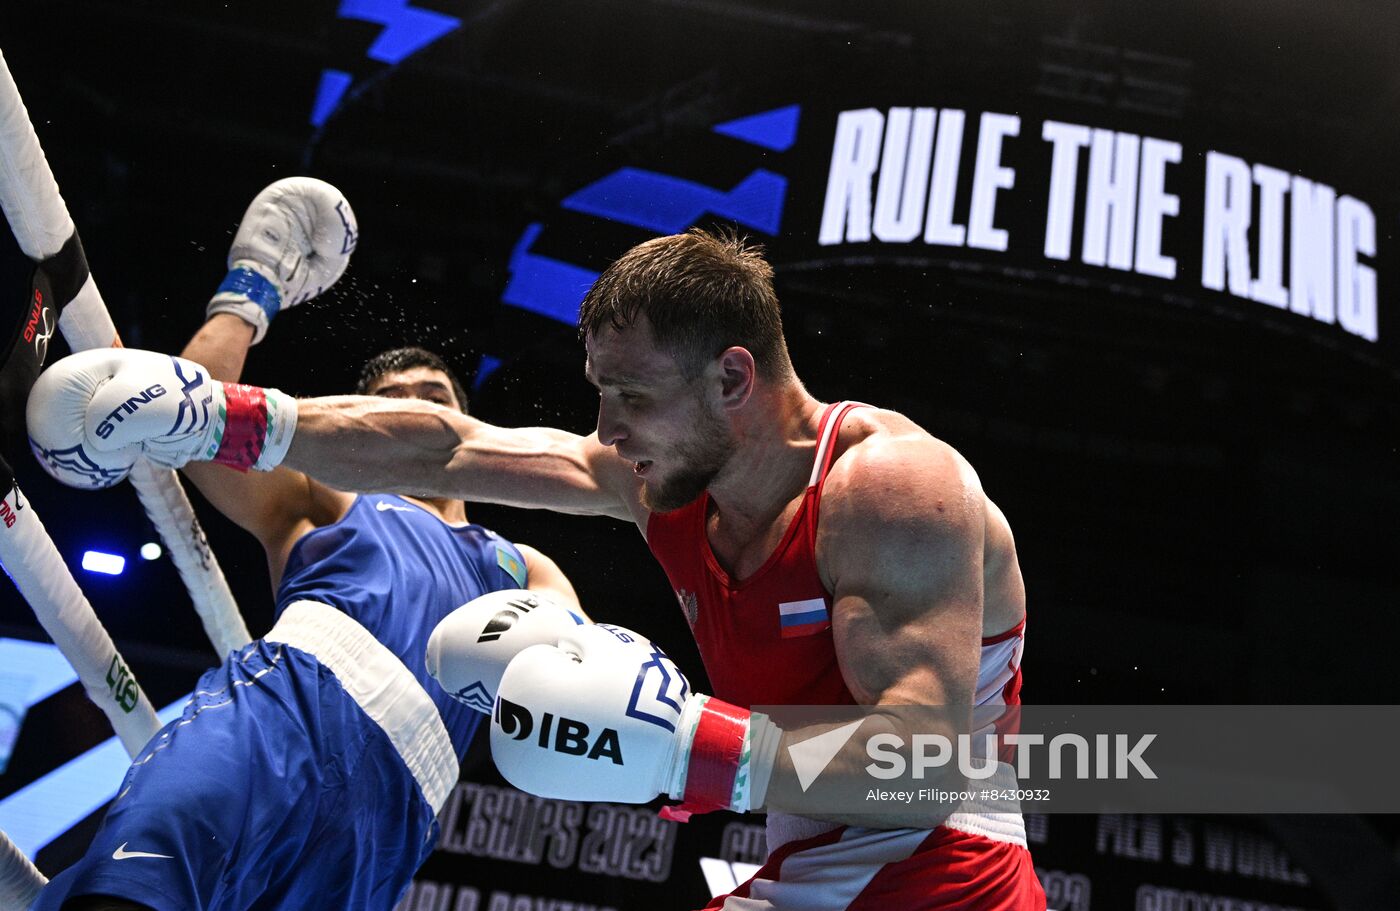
x,y
123,854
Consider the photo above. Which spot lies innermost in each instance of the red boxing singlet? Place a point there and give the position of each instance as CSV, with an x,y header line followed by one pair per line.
x,y
766,640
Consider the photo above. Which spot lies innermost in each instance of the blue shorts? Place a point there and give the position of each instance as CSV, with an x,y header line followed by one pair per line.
x,y
274,790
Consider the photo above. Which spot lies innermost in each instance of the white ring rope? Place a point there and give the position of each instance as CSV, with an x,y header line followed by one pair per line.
x,y
32,205
170,511
37,568
40,221
20,880
38,217
41,224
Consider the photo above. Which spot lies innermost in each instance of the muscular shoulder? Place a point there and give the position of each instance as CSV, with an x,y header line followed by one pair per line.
x,y
900,543
888,467
896,492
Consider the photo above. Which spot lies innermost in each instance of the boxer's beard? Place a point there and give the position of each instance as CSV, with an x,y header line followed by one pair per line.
x,y
698,460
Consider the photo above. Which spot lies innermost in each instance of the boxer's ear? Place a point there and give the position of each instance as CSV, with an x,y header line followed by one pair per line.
x,y
737,371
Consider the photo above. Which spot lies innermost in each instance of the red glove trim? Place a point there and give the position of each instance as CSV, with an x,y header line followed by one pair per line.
x,y
715,755
245,427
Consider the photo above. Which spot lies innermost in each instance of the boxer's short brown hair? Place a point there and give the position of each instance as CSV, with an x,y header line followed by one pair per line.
x,y
701,293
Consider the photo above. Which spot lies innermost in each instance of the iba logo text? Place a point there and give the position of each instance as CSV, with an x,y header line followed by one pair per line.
x,y
562,735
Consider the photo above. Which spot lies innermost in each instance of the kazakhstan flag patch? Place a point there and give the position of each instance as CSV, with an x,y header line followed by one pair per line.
x,y
511,564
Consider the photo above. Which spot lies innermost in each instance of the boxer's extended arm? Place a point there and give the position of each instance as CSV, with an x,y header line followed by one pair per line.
x,y
92,414
901,546
403,446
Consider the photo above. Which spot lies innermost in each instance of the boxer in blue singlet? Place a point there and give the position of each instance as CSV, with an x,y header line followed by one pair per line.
x,y
307,770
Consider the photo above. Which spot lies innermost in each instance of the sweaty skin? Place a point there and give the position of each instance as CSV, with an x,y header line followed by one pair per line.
x,y
920,563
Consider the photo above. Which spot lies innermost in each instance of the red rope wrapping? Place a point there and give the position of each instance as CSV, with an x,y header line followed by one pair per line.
x,y
245,427
715,755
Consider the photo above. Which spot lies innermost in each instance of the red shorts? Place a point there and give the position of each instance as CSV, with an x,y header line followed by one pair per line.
x,y
858,869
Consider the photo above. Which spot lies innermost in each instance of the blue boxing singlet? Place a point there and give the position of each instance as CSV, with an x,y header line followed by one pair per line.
x,y
374,565
307,769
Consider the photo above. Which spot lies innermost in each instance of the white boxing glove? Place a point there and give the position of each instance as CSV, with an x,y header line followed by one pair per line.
x,y
92,414
605,715
470,648
294,242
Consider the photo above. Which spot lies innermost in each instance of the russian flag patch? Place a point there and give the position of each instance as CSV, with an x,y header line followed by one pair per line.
x,y
803,618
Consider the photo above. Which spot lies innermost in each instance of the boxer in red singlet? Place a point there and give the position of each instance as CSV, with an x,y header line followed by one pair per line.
x,y
824,554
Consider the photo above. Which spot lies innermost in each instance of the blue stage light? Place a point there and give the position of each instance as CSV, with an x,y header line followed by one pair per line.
x,y
95,561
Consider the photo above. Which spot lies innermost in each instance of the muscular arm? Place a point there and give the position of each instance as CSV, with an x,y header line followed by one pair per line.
x,y
905,559
902,541
421,449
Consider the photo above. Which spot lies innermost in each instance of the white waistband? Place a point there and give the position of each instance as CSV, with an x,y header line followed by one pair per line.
x,y
999,820
781,828
380,683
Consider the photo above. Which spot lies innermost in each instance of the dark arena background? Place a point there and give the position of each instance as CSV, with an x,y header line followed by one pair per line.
x,y
1138,262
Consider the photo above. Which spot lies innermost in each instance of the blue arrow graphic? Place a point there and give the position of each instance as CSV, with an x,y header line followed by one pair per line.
x,y
406,28
544,285
660,202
